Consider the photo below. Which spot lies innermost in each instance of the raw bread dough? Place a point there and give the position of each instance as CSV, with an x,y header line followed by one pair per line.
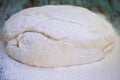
x,y
55,36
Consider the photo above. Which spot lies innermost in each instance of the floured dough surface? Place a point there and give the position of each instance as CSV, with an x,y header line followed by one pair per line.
x,y
55,36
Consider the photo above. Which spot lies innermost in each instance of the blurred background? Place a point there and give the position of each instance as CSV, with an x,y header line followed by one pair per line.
x,y
110,8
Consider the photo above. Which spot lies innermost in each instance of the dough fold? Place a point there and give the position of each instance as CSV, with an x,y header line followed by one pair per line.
x,y
57,36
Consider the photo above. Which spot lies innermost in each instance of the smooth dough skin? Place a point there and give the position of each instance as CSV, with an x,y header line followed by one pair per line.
x,y
58,36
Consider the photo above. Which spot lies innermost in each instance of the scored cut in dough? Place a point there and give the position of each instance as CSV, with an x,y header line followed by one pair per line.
x,y
57,36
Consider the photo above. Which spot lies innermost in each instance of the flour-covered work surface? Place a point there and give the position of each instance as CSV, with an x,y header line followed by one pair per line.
x,y
107,69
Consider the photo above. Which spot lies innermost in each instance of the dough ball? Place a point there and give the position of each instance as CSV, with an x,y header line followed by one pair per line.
x,y
58,36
